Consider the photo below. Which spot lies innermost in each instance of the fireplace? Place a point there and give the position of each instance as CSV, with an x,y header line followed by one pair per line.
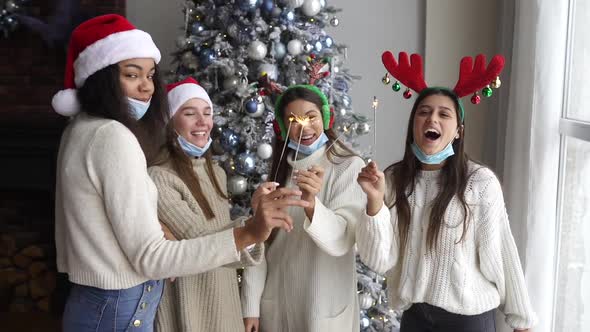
x,y
32,293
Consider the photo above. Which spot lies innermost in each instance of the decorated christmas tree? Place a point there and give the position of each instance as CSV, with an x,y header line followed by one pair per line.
x,y
244,53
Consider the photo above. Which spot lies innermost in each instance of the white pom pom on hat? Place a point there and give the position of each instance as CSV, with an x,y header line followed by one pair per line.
x,y
94,45
65,102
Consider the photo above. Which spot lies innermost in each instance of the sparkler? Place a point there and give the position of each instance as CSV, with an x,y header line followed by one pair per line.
x,y
374,106
286,139
344,131
303,121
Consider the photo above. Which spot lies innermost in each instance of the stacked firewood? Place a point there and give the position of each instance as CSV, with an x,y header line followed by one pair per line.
x,y
27,270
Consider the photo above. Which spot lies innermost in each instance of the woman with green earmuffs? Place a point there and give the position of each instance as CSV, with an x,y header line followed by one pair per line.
x,y
307,282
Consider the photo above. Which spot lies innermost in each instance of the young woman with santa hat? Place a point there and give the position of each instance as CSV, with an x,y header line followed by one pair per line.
x,y
193,203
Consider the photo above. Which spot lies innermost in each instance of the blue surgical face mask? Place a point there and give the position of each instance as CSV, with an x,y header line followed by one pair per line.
x,y
313,147
138,108
191,149
433,159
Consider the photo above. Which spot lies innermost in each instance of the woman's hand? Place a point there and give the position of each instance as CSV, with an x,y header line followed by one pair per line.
x,y
251,324
372,182
310,182
264,189
271,213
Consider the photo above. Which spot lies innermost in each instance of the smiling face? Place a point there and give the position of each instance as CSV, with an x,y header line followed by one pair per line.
x,y
435,123
137,78
194,121
310,117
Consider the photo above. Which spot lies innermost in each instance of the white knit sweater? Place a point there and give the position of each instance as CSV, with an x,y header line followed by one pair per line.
x,y
208,301
479,274
106,224
308,281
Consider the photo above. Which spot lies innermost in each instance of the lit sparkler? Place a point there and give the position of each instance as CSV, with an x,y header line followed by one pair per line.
x,y
286,139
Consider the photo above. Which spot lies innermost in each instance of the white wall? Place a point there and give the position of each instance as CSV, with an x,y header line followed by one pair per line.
x,y
368,28
456,28
163,20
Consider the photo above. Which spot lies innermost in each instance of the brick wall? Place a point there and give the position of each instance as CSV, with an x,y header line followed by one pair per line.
x,y
31,71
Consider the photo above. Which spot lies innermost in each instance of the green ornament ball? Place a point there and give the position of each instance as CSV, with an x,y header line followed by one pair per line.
x,y
487,91
396,87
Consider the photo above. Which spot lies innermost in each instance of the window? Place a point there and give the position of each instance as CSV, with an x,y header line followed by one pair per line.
x,y
572,297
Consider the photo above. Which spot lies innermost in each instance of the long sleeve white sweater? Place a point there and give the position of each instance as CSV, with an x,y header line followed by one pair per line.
x,y
307,282
476,275
106,221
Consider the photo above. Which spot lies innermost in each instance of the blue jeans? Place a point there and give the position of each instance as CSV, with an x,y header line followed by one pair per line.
x,y
100,310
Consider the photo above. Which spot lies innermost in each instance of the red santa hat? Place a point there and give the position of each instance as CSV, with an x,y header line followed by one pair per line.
x,y
94,45
180,92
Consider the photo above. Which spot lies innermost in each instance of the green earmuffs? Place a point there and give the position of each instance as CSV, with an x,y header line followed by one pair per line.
x,y
327,114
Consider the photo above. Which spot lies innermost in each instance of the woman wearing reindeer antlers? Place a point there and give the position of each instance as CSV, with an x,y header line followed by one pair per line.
x,y
436,222
307,282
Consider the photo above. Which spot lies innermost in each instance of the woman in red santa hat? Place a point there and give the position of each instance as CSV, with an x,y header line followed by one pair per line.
x,y
108,238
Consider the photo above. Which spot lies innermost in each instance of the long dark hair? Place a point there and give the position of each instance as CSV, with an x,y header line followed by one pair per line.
x,y
338,150
102,96
183,167
454,177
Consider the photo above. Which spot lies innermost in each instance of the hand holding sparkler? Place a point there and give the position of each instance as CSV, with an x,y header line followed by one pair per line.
x,y
310,183
263,189
271,213
372,182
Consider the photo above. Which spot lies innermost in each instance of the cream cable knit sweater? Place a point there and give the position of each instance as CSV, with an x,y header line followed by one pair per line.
x,y
209,301
106,224
308,281
479,274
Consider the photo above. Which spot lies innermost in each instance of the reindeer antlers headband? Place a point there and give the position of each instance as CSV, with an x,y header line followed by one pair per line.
x,y
472,77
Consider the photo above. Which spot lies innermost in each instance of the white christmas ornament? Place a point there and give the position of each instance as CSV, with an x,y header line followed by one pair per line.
x,y
294,47
311,7
271,70
365,301
257,50
295,3
264,151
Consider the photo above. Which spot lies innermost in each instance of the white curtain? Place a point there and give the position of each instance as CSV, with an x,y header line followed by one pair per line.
x,y
531,146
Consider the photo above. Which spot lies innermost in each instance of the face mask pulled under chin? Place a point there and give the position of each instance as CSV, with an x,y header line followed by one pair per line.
x,y
433,159
138,108
191,149
309,149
